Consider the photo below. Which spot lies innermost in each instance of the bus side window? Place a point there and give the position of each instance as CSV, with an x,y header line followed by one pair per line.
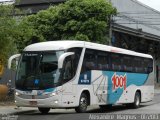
x,y
75,58
89,61
143,65
102,61
116,63
136,65
127,63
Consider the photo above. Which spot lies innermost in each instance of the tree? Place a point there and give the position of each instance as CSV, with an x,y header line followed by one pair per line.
x,y
26,34
75,19
8,30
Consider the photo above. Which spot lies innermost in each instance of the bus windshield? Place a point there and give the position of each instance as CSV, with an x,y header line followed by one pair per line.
x,y
38,70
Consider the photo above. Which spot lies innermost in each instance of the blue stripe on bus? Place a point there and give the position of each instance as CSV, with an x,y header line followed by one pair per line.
x,y
137,79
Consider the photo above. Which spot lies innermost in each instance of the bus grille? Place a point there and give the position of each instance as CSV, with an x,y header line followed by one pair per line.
x,y
35,96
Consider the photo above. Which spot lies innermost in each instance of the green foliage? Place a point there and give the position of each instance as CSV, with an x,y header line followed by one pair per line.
x,y
8,30
27,34
75,19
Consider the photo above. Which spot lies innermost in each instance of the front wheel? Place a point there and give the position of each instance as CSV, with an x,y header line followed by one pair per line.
x,y
44,110
83,103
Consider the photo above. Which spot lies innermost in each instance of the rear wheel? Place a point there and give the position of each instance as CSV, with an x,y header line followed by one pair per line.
x,y
83,103
44,110
137,100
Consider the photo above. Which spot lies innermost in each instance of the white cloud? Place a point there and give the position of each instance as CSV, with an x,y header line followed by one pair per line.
x,y
6,0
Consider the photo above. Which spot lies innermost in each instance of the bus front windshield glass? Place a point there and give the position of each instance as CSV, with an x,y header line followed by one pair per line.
x,y
38,71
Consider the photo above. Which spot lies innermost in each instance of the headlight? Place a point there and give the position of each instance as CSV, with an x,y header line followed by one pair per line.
x,y
56,101
53,94
17,94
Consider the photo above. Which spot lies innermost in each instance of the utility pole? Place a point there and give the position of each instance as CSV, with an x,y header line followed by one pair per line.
x,y
110,28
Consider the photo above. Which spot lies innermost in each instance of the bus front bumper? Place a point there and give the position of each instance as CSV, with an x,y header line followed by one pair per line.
x,y
51,102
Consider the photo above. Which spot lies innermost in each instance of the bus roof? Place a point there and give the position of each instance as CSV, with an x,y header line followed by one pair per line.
x,y
62,45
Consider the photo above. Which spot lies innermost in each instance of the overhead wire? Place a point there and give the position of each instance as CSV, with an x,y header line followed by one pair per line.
x,y
139,18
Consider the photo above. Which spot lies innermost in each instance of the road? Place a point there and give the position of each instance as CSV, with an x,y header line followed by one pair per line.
x,y
93,112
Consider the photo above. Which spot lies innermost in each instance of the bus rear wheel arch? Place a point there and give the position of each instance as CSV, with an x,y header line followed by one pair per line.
x,y
84,101
137,99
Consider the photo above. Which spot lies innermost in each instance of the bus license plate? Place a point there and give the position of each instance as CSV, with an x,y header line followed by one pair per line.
x,y
33,103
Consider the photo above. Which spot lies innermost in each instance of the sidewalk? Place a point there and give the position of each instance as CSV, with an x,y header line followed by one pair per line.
x,y
13,109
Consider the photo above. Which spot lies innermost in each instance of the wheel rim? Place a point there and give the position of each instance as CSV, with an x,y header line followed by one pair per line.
x,y
83,103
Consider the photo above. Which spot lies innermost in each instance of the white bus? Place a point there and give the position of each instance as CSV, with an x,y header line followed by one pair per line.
x,y
76,74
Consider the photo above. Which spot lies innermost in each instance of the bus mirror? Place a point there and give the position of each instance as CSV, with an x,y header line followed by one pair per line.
x,y
62,57
16,57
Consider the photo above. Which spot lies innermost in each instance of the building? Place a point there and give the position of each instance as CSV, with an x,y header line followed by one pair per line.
x,y
136,27
33,6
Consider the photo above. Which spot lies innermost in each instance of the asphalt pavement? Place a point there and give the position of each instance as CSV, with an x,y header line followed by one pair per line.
x,y
93,112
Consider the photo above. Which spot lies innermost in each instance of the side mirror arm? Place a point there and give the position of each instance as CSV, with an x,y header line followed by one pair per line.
x,y
16,56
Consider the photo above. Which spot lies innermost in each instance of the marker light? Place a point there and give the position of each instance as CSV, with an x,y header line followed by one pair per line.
x,y
56,101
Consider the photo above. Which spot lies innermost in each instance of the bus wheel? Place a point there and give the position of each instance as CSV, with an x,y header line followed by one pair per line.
x,y
105,107
83,103
137,100
44,110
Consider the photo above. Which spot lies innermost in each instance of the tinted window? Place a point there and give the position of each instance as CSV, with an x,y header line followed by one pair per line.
x,y
95,60
138,67
148,65
37,70
70,64
90,61
75,57
102,60
116,62
127,63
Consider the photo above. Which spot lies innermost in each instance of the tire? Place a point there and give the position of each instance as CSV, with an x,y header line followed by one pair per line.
x,y
105,107
83,103
44,110
137,100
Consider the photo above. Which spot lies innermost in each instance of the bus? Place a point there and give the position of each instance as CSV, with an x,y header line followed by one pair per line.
x,y
77,74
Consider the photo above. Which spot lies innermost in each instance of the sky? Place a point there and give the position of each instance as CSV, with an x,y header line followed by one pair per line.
x,y
152,3
5,0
